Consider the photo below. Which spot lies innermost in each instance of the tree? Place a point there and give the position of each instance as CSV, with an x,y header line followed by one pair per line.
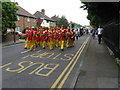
x,y
100,12
9,16
63,21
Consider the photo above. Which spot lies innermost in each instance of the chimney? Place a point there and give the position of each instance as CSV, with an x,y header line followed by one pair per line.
x,y
43,11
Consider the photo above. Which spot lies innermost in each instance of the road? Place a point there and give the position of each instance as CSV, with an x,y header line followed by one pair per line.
x,y
41,68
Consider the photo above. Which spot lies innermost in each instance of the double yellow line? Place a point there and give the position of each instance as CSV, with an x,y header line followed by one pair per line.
x,y
73,63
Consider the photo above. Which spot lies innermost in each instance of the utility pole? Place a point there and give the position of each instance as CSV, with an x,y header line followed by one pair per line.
x,y
14,32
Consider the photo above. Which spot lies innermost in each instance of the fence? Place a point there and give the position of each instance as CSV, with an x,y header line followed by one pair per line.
x,y
111,36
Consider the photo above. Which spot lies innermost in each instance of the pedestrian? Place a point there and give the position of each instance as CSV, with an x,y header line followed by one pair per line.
x,y
99,32
93,33
77,34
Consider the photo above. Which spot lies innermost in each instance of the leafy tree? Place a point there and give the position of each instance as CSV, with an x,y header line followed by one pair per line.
x,y
0,15
9,17
100,12
63,21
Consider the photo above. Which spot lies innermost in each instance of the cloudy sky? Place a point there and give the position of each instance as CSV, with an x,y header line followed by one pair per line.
x,y
69,8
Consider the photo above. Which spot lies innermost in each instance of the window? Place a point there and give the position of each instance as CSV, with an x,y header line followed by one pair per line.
x,y
18,17
17,29
28,19
47,21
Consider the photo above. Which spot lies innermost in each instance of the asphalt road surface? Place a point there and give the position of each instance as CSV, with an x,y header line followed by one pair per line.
x,y
41,68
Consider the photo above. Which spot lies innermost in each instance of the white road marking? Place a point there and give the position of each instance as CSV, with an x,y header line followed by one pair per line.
x,y
25,51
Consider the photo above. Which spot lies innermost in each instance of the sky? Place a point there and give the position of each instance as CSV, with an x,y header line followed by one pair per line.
x,y
69,8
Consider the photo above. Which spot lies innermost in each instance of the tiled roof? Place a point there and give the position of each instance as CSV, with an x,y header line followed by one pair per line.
x,y
23,12
55,18
40,15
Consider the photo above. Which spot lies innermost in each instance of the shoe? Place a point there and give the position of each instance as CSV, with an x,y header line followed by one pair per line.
x,y
61,49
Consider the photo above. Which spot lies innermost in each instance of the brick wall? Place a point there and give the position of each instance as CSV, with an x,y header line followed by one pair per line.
x,y
9,37
23,23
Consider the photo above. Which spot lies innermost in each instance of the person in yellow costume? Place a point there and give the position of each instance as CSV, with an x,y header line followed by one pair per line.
x,y
68,34
62,40
44,40
32,40
27,40
72,38
51,40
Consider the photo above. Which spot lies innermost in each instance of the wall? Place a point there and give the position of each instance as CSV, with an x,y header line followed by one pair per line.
x,y
45,23
9,37
23,23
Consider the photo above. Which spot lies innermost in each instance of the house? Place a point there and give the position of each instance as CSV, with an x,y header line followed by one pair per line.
x,y
44,20
55,18
24,19
72,24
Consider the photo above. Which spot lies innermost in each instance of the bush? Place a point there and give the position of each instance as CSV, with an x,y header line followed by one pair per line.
x,y
22,36
24,31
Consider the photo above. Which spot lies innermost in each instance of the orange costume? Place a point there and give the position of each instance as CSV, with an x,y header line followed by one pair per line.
x,y
62,40
72,38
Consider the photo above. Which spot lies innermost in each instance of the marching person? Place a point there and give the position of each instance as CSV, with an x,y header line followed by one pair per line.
x,y
72,38
68,34
32,40
27,40
56,37
51,40
62,40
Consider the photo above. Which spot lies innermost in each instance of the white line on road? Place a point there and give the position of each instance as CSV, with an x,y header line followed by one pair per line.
x,y
25,51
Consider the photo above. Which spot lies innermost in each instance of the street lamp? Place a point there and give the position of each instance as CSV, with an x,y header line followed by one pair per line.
x,y
14,31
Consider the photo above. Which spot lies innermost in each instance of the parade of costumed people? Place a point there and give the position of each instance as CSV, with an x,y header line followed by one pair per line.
x,y
49,37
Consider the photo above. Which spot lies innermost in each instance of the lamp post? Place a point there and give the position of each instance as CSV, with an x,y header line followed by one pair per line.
x,y
14,32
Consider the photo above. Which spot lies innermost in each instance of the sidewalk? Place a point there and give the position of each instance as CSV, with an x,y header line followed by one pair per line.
x,y
99,69
12,42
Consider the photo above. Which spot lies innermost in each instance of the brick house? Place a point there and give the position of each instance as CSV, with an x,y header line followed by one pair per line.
x,y
55,18
44,20
25,19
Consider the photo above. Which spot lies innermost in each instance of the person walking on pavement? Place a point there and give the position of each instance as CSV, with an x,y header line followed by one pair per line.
x,y
93,33
99,31
77,34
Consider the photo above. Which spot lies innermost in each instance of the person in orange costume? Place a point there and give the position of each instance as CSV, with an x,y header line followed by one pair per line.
x,y
68,34
72,38
41,36
56,37
27,41
51,40
62,40
44,40
32,39
36,39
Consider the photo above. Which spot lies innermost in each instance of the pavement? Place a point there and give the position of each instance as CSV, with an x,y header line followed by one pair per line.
x,y
12,42
99,69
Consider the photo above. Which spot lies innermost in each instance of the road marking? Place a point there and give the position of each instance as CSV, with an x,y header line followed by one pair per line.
x,y
47,68
29,55
21,66
61,75
25,51
67,56
25,57
71,68
5,65
57,56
